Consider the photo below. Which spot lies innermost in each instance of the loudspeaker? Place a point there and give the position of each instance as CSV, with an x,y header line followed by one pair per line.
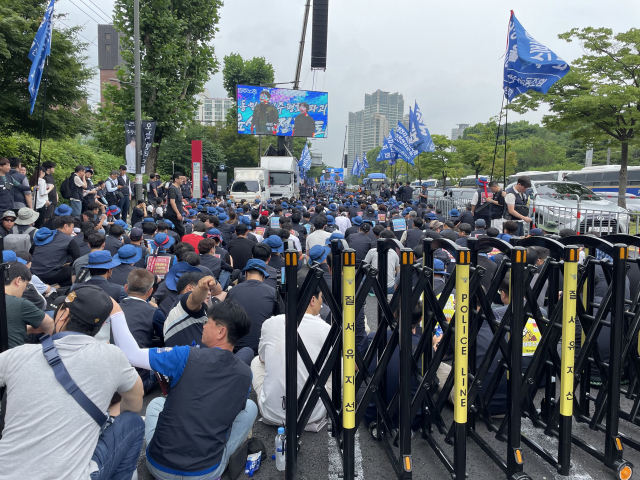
x,y
319,34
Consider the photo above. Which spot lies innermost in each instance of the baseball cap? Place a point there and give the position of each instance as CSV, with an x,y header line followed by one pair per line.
x,y
89,304
318,253
255,264
136,234
438,267
10,256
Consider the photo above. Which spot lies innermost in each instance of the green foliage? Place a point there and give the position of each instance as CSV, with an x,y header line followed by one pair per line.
x,y
177,148
66,112
177,59
441,163
67,154
237,71
599,98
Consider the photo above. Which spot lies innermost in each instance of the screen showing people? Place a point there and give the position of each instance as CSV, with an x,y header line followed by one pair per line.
x,y
332,176
282,112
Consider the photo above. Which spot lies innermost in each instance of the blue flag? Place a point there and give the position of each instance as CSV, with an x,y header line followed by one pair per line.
x,y
420,137
385,147
39,51
528,64
365,162
305,158
354,168
393,153
387,152
402,145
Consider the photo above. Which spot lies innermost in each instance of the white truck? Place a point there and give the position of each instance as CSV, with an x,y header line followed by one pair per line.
x,y
283,176
249,184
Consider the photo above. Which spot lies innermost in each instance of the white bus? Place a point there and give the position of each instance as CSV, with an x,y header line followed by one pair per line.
x,y
553,176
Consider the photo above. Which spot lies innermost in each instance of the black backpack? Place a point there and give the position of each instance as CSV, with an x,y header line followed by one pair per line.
x,y
65,188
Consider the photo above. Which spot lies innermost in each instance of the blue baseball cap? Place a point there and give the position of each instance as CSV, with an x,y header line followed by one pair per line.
x,y
432,216
128,254
162,240
44,236
176,271
438,267
102,259
534,232
10,256
318,254
121,223
357,220
168,222
62,210
275,242
255,264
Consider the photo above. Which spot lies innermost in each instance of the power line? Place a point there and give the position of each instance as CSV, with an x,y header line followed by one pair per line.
x,y
75,5
90,41
106,15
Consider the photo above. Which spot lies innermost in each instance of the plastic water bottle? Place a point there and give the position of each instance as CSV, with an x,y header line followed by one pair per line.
x,y
280,458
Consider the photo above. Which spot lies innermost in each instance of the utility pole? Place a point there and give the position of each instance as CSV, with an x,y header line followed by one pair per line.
x,y
138,95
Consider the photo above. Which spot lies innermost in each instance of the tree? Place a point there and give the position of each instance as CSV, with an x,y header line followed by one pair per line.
x,y
66,110
600,97
177,59
237,71
177,149
441,163
540,154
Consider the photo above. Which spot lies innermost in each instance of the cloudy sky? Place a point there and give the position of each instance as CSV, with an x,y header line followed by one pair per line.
x,y
445,55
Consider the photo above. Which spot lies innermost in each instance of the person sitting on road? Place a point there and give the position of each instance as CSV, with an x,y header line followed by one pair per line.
x,y
268,367
258,299
128,256
100,266
96,242
206,415
55,252
464,232
23,317
41,414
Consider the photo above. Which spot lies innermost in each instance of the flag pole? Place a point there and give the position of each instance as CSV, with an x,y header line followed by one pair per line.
x,y
495,151
44,106
504,173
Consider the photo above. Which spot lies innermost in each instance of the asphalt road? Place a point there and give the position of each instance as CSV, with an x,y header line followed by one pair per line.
x,y
319,459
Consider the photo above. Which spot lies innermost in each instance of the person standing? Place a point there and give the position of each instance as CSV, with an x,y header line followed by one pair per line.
x,y
497,205
50,169
91,191
21,198
7,186
480,206
42,194
517,203
125,183
77,186
113,190
175,208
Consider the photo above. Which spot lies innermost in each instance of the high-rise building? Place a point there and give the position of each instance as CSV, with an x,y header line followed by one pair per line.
x,y
367,128
109,56
456,133
212,111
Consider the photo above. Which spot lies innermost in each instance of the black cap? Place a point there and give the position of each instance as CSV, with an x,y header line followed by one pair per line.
x,y
89,303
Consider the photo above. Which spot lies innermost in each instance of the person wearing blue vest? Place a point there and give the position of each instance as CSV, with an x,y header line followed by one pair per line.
x,y
206,415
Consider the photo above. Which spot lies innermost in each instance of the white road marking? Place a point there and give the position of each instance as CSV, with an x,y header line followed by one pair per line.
x,y
551,444
335,459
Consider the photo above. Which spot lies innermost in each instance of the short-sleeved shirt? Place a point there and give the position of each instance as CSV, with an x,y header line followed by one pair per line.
x,y
393,261
20,313
42,417
174,194
184,326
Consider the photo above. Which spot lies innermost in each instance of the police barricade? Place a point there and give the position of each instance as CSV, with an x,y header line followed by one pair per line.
x,y
575,324
345,298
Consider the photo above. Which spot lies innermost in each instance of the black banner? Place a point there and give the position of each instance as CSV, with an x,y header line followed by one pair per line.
x,y
148,132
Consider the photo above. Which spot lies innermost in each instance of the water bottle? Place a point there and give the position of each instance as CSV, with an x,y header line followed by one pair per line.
x,y
280,458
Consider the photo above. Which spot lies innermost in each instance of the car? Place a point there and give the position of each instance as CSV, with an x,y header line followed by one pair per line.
x,y
452,197
572,205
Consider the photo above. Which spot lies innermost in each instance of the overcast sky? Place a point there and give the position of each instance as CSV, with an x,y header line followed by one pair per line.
x,y
445,55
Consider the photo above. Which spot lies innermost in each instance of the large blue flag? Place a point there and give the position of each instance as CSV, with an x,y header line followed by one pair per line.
x,y
39,51
419,137
385,147
403,146
354,168
365,162
305,158
528,64
387,152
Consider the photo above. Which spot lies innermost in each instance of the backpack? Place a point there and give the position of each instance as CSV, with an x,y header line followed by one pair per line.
x,y
19,242
65,188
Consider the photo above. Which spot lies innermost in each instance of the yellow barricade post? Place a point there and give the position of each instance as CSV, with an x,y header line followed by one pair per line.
x,y
348,362
461,362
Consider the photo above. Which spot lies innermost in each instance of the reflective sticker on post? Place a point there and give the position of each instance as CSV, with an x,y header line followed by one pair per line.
x,y
349,341
461,360
569,300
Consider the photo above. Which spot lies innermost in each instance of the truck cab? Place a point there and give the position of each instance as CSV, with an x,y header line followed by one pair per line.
x,y
283,176
250,184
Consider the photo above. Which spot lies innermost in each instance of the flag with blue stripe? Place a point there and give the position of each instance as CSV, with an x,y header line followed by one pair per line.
x,y
402,145
39,51
420,137
365,163
354,167
528,64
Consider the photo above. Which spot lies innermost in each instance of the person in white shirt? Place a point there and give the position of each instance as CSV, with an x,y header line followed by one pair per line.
x,y
268,368
319,235
342,221
393,261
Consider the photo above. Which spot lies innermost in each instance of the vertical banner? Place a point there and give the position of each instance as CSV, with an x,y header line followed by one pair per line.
x,y
461,358
196,168
148,132
569,299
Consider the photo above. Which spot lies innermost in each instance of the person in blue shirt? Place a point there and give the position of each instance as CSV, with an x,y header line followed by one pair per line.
x,y
206,415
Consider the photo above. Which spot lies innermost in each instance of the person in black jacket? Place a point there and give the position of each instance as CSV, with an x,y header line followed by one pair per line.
x,y
100,267
466,217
